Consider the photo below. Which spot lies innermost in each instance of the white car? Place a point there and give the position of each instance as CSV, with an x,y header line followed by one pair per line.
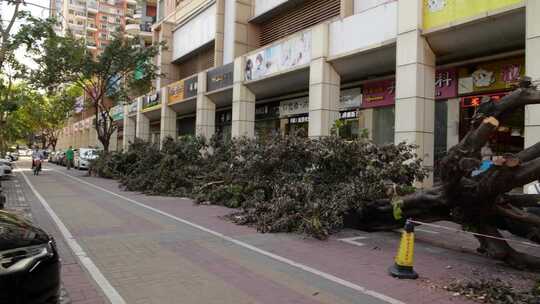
x,y
5,170
83,156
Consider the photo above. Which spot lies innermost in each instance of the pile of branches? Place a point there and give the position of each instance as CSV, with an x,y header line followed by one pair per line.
x,y
495,292
278,184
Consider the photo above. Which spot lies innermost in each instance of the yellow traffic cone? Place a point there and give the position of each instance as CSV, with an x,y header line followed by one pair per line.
x,y
403,266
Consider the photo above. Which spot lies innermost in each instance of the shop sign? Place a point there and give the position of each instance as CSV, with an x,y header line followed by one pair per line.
x,y
446,83
132,108
297,120
267,111
117,112
294,106
475,101
350,98
151,100
220,77
293,52
348,114
443,12
491,76
176,91
379,93
190,87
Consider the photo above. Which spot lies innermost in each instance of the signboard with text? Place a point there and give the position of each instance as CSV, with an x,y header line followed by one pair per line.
x,y
446,83
176,91
190,87
379,93
220,77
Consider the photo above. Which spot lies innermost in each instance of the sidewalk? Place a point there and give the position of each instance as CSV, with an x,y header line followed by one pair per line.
x,y
77,286
355,256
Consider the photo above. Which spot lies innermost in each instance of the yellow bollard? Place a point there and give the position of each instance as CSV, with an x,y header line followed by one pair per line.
x,y
403,266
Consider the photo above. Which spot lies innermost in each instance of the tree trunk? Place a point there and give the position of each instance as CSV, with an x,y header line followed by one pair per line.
x,y
479,201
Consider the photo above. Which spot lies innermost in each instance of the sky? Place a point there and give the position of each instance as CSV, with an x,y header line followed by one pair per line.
x,y
7,12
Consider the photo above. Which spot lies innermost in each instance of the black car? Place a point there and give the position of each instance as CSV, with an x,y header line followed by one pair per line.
x,y
29,263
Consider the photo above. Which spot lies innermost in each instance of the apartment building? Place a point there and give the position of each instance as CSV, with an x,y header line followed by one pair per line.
x,y
96,21
396,70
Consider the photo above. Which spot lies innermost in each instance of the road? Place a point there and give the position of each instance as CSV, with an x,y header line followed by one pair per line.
x,y
142,255
139,249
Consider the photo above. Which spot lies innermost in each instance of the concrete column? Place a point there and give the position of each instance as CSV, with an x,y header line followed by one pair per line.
x,y
246,35
93,140
415,84
243,103
532,69
129,129
324,86
205,121
168,117
142,131
220,33
164,57
113,143
452,131
366,121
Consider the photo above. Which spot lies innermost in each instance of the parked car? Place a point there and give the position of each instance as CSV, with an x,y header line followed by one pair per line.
x,y
83,156
6,167
14,156
60,157
51,156
29,263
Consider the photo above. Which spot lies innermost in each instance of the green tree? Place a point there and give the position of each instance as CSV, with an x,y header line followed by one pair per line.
x,y
124,69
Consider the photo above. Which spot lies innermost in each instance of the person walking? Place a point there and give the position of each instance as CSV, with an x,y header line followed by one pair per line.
x,y
69,157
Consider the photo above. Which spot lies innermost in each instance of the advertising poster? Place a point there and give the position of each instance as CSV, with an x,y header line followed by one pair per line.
x,y
293,52
176,91
491,76
443,12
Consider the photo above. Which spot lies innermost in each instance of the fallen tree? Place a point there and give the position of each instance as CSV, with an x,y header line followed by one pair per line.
x,y
481,203
317,186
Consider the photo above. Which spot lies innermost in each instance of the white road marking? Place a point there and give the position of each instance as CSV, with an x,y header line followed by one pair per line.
x,y
276,257
354,240
21,198
109,291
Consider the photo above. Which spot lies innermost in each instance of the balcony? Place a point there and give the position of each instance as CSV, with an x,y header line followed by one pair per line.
x,y
132,2
92,8
133,29
91,28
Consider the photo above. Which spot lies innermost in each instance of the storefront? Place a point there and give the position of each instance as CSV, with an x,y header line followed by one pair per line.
x,y
224,123
446,103
267,122
380,98
295,116
185,125
349,113
492,81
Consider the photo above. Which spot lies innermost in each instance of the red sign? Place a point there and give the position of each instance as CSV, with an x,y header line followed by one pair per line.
x,y
445,83
475,101
379,93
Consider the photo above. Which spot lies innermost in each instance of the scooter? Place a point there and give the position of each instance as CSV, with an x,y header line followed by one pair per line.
x,y
37,166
